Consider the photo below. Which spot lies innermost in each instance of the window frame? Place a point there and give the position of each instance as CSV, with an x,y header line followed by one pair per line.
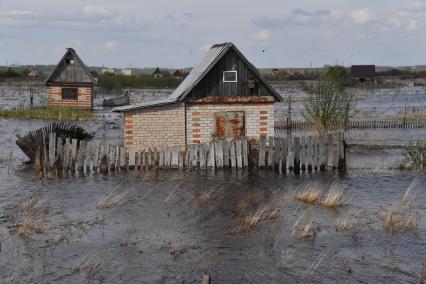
x,y
69,98
230,71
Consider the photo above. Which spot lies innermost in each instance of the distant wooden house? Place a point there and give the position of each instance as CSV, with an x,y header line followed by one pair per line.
x,y
71,83
225,96
157,73
127,72
178,74
363,73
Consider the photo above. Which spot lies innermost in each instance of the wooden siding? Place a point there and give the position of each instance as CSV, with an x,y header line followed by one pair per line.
x,y
212,84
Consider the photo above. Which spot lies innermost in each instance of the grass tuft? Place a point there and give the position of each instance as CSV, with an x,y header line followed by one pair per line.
x,y
89,264
334,196
310,194
50,113
112,199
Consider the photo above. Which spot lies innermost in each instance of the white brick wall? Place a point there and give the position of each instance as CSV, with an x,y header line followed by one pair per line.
x,y
259,120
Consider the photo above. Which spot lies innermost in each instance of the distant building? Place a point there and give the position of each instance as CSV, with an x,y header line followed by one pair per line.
x,y
107,70
275,72
178,74
127,72
157,73
224,97
363,73
71,83
33,73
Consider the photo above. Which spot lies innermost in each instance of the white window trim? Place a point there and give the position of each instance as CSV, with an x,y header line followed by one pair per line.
x,y
236,77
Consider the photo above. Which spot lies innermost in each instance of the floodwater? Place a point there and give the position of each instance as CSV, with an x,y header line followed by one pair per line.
x,y
170,226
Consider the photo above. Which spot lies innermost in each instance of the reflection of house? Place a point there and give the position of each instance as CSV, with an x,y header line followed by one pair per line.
x,y
70,83
225,96
126,72
157,73
107,70
363,73
178,74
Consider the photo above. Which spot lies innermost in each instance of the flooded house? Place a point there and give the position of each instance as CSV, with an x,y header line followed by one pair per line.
x,y
363,73
71,83
223,97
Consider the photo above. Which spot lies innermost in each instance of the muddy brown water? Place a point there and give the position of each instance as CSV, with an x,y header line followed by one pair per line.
x,y
170,226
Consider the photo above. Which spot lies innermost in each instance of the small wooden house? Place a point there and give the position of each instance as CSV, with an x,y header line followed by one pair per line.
x,y
224,97
363,73
157,73
71,83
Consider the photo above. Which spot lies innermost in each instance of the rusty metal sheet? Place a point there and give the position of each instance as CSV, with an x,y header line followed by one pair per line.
x,y
230,124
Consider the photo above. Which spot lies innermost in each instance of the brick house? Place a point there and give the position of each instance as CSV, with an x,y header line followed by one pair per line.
x,y
224,97
70,83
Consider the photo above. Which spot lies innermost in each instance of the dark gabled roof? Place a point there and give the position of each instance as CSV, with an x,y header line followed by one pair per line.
x,y
215,53
157,71
363,70
61,67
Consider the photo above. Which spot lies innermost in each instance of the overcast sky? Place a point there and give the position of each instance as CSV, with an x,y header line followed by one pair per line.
x,y
176,33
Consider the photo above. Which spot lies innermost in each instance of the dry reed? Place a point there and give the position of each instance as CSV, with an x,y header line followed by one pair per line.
x,y
127,235
310,194
260,215
112,199
89,264
334,196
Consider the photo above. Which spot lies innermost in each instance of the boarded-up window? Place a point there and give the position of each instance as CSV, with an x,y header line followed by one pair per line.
x,y
69,93
229,124
230,76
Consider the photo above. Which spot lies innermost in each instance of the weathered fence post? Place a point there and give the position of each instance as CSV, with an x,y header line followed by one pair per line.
x,y
296,155
262,143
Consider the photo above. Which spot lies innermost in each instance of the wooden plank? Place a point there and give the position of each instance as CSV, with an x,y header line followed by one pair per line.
x,y
203,149
122,157
83,156
262,146
211,156
232,155
181,159
52,148
303,153
66,153
322,153
290,154
161,161
283,159
132,158
194,155
271,152
239,152
296,155
150,163
73,153
245,152
226,153
218,150
277,152
309,153
175,157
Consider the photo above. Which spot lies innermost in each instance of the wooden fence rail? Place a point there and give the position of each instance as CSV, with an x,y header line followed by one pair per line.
x,y
290,154
356,124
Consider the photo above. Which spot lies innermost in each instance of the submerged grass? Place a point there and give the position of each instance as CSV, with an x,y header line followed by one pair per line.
x,y
112,199
310,194
334,196
89,264
50,113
